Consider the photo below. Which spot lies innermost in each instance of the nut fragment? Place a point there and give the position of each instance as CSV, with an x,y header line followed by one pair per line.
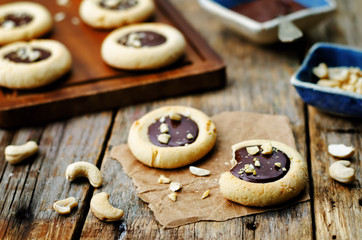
x,y
278,164
340,172
205,194
103,210
84,169
173,196
65,206
199,171
164,128
17,153
164,138
175,186
189,136
321,71
163,179
252,150
341,150
267,148
175,116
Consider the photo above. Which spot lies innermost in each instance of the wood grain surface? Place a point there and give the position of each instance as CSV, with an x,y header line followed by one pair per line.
x,y
258,81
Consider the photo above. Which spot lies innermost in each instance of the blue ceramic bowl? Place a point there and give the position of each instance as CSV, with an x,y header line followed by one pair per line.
x,y
331,100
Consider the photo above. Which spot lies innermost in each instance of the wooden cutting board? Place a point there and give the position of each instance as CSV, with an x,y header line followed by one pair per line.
x,y
92,85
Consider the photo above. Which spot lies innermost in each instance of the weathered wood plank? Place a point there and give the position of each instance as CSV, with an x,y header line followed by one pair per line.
x,y
29,189
337,207
258,81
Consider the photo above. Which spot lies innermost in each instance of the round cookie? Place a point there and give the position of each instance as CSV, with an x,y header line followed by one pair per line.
x,y
171,137
265,173
33,64
23,21
107,14
143,46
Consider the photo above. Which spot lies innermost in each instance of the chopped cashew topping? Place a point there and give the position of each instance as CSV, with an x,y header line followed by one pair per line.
x,y
164,138
175,186
267,148
173,196
284,169
341,150
341,172
278,164
199,171
164,128
206,194
189,136
163,179
252,150
249,168
257,163
175,116
65,206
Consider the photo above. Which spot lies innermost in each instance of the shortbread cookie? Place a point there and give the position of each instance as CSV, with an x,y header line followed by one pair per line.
x,y
23,21
33,64
171,137
107,14
143,46
265,173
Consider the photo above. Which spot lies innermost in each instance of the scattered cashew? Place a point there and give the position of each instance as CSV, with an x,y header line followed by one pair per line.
x,y
340,172
84,169
65,206
341,150
199,171
205,194
17,153
103,210
163,179
173,196
175,186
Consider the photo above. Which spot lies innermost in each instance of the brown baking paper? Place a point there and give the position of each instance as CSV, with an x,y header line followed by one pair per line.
x,y
232,127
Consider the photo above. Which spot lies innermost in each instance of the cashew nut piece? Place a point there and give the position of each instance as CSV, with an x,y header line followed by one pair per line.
x,y
84,169
341,150
103,210
65,206
17,153
340,172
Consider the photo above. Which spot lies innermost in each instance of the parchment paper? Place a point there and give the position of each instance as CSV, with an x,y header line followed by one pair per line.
x,y
232,127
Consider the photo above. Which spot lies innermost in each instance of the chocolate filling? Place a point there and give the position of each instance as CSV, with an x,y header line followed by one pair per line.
x,y
178,130
142,39
21,55
121,5
265,10
16,19
267,172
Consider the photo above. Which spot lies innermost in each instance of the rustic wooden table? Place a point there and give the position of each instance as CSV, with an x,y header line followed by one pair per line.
x,y
258,81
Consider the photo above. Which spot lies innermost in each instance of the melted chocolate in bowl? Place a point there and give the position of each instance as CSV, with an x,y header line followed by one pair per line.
x,y
142,39
17,19
177,129
121,5
267,172
265,10
18,57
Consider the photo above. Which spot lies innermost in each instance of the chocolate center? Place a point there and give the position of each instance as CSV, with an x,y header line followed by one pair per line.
x,y
118,4
142,39
27,55
272,167
15,20
265,10
182,132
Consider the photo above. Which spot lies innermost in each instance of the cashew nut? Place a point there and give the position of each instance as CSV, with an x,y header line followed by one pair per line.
x,y
15,154
199,171
84,169
340,172
103,210
65,206
341,150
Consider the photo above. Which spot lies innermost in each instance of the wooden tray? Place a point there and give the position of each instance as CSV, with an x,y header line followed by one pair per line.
x,y
93,86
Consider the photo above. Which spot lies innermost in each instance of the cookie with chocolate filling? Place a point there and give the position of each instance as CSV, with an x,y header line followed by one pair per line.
x,y
171,137
107,14
265,173
33,64
23,21
143,46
